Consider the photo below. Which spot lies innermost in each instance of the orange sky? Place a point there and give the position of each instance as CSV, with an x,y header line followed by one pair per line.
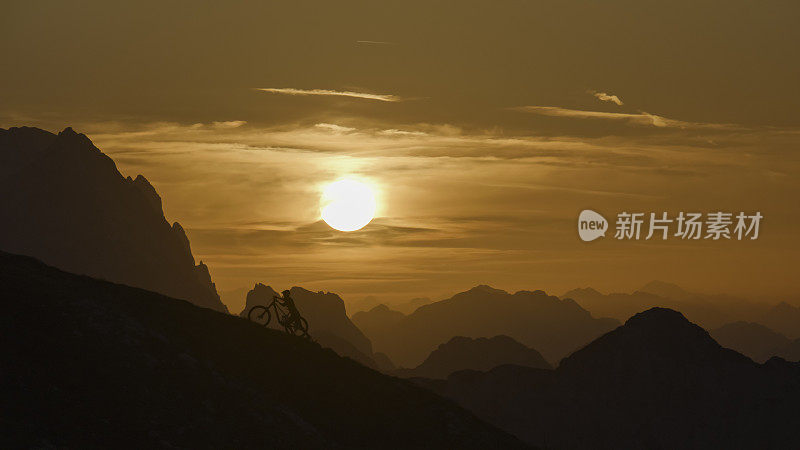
x,y
485,126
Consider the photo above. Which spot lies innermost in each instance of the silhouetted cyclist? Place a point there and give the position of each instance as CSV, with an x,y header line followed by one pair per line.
x,y
286,313
286,301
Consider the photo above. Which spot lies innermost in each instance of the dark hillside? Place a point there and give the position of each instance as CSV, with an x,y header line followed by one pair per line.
x,y
88,363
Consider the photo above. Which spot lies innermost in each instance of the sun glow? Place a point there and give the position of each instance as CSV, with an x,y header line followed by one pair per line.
x,y
347,205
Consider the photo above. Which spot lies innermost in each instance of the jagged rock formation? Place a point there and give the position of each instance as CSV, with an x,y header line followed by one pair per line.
x,y
462,353
88,363
63,201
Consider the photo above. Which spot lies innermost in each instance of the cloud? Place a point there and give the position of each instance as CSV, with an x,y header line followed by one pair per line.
x,y
327,92
376,42
334,128
607,97
229,124
396,132
640,118
555,111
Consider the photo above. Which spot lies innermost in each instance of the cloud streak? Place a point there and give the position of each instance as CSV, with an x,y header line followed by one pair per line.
x,y
376,42
332,93
640,118
602,96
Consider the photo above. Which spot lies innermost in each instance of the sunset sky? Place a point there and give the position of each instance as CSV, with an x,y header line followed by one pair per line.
x,y
484,128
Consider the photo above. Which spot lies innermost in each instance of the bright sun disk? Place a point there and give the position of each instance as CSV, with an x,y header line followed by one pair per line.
x,y
347,205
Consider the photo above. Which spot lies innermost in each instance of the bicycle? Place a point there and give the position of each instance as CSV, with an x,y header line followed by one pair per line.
x,y
295,325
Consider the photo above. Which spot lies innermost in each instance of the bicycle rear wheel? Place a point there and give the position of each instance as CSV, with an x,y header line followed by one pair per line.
x,y
300,327
260,315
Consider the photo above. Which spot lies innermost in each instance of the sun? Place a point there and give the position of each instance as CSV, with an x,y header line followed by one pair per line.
x,y
347,205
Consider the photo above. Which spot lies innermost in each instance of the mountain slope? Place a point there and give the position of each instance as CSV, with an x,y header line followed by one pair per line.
x,y
791,351
63,201
462,353
783,318
658,381
89,363
751,339
553,326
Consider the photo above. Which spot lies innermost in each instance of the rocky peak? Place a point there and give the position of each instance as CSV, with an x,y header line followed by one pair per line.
x,y
73,209
149,193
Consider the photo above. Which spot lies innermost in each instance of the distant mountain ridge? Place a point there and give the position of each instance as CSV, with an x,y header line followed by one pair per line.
x,y
63,201
551,325
377,320
708,310
783,318
751,339
463,353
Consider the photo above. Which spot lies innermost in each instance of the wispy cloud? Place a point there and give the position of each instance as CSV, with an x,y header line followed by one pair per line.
x,y
328,92
228,124
640,118
376,42
602,96
334,128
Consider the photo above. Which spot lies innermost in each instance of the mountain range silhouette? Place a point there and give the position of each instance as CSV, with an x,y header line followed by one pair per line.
x,y
658,381
757,329
63,201
546,323
89,363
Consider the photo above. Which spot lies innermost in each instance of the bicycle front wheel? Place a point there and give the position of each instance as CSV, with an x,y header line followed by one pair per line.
x,y
260,315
